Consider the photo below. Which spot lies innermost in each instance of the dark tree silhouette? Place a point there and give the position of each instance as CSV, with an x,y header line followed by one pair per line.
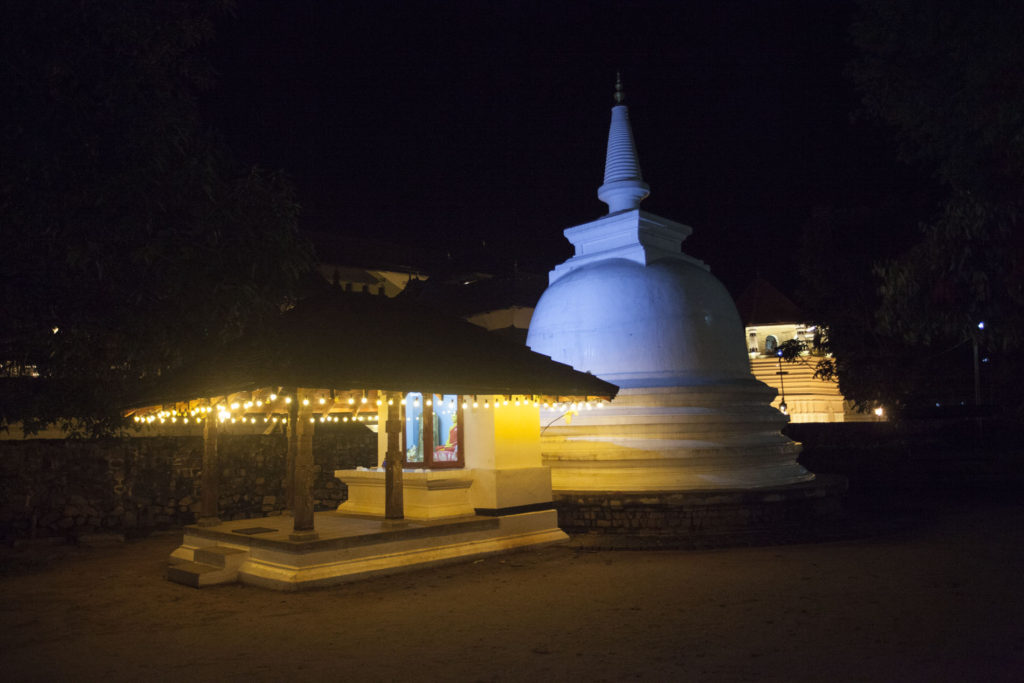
x,y
131,238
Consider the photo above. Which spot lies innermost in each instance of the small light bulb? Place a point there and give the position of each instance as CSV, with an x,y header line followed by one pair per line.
x,y
323,401
305,401
273,397
287,399
351,400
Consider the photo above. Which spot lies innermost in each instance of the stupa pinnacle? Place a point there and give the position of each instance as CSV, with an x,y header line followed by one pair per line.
x,y
624,187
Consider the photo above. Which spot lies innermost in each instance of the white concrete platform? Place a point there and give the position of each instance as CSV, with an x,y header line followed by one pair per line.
x,y
260,551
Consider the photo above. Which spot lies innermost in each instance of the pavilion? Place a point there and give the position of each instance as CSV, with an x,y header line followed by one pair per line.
x,y
460,470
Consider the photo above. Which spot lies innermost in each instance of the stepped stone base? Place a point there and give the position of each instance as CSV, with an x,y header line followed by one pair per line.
x,y
803,511
721,436
347,547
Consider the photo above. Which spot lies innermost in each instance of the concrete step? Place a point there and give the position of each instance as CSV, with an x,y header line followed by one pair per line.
x,y
220,556
213,565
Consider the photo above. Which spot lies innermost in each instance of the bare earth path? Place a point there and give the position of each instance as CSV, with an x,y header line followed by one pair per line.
x,y
938,598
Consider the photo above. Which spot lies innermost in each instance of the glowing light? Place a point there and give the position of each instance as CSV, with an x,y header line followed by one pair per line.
x,y
273,397
981,325
879,411
287,399
323,401
234,406
351,400
305,401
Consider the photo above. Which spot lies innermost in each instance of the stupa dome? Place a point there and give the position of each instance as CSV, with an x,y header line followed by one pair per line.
x,y
669,323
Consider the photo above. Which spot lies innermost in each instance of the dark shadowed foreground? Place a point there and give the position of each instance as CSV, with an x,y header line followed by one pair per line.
x,y
930,592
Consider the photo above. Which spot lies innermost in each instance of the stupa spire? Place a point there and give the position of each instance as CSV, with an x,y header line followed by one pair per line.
x,y
624,187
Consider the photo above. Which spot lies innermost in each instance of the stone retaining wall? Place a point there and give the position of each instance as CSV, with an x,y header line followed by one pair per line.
x,y
68,488
694,518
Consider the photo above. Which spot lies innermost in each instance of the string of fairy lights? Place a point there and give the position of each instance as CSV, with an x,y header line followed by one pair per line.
x,y
271,408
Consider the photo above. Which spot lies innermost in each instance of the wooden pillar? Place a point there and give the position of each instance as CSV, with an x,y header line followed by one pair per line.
x,y
208,515
394,504
293,448
303,528
427,429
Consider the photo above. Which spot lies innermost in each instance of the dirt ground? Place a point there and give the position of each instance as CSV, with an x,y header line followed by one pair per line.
x,y
935,595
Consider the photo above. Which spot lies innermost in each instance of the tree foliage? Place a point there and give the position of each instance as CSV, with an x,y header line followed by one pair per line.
x,y
946,75
132,239
902,316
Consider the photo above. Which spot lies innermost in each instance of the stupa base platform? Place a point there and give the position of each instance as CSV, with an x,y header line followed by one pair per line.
x,y
264,551
805,511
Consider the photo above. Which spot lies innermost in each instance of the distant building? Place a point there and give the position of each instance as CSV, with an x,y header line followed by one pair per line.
x,y
770,318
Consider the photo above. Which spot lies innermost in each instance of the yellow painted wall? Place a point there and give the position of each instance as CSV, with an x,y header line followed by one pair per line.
x,y
505,437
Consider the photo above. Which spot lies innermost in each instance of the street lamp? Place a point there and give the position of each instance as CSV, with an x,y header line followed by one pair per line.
x,y
977,371
782,385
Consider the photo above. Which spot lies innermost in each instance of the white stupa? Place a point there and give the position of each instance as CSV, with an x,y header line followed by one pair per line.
x,y
634,310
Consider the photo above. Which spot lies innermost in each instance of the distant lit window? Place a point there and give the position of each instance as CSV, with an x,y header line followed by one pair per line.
x,y
770,345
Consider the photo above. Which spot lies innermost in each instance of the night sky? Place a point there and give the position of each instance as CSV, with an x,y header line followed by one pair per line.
x,y
463,126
